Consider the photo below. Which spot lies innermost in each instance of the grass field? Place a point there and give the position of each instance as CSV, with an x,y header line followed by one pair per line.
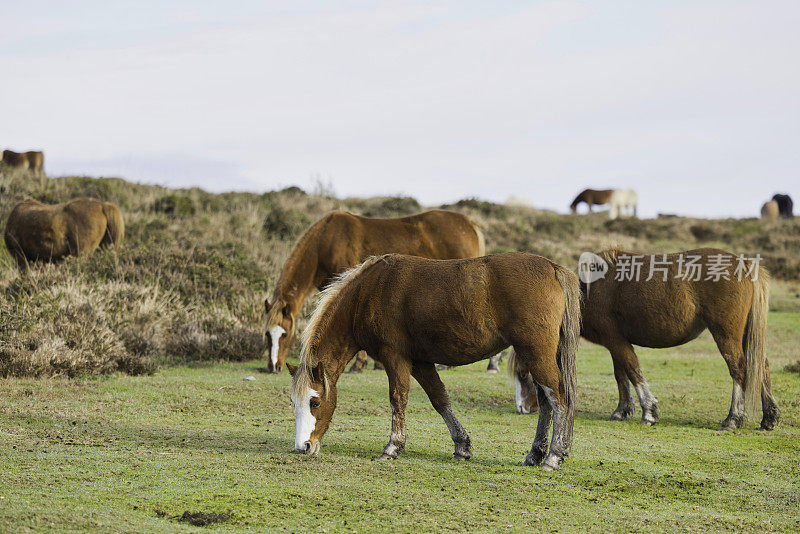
x,y
134,453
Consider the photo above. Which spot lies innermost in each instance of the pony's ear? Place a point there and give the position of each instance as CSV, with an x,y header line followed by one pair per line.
x,y
266,304
292,368
318,373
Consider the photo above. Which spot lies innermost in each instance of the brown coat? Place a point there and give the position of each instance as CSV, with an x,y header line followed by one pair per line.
x,y
42,232
341,240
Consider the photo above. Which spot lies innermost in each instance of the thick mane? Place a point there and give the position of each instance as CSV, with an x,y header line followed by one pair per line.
x,y
610,255
309,339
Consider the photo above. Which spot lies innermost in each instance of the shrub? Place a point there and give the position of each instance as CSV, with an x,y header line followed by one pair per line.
x,y
175,204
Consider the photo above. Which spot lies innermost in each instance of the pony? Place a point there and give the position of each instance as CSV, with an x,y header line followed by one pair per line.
x,y
770,210
32,160
623,202
682,295
592,197
411,313
341,240
43,232
785,205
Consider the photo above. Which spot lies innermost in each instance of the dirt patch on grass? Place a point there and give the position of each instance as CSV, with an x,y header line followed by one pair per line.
x,y
198,519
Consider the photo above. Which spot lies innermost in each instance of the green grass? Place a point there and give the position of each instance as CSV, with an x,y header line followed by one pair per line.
x,y
124,453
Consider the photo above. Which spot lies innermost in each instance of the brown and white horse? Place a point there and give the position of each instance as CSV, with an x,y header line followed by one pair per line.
x,y
592,197
677,297
340,241
411,313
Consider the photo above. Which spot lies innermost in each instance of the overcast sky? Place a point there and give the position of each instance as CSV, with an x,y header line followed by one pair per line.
x,y
694,104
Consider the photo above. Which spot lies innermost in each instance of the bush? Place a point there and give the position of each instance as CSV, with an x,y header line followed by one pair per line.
x,y
175,205
285,224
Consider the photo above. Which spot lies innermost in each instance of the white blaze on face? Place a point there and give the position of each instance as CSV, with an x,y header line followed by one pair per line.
x,y
305,421
520,401
275,334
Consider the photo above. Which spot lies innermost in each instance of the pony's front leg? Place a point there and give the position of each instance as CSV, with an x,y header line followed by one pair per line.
x,y
399,372
625,407
623,354
428,378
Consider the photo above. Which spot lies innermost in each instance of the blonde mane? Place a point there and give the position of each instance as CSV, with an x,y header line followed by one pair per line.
x,y
309,339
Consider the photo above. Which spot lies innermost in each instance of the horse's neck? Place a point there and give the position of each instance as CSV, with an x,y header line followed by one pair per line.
x,y
299,274
337,341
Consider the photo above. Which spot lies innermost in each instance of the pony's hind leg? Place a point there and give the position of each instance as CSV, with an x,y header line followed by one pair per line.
x,y
734,356
769,406
428,378
546,374
539,448
623,355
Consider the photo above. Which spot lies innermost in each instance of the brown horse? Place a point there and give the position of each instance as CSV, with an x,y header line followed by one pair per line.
x,y
592,197
677,297
342,240
42,232
411,313
32,161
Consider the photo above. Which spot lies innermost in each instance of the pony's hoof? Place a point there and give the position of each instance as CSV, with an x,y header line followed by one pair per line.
x,y
767,425
354,370
550,463
460,458
619,416
493,371
385,456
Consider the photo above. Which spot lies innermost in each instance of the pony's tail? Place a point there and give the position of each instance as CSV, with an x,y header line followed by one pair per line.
x,y
569,334
115,229
481,238
754,342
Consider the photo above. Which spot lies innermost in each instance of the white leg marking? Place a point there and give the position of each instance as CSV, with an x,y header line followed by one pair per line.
x,y
275,334
305,420
737,400
520,401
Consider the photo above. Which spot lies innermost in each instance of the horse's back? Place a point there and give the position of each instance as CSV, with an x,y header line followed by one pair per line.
x,y
467,308
438,234
666,310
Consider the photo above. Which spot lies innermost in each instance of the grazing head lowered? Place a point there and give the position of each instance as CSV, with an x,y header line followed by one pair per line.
x,y
279,333
314,380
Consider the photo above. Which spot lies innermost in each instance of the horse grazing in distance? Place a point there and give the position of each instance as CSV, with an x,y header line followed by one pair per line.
x,y
32,161
411,313
672,300
785,205
623,202
592,197
770,210
43,232
342,240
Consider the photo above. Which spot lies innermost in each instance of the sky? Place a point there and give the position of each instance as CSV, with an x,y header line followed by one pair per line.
x,y
696,105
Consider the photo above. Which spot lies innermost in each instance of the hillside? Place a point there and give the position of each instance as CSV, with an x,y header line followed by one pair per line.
x,y
190,281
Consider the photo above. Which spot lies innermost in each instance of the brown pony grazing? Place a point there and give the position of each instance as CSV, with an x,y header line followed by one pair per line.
x,y
685,294
42,232
592,197
411,313
33,161
342,240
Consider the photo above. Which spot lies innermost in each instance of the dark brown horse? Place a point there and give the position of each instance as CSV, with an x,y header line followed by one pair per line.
x,y
592,197
411,313
342,240
43,232
677,297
